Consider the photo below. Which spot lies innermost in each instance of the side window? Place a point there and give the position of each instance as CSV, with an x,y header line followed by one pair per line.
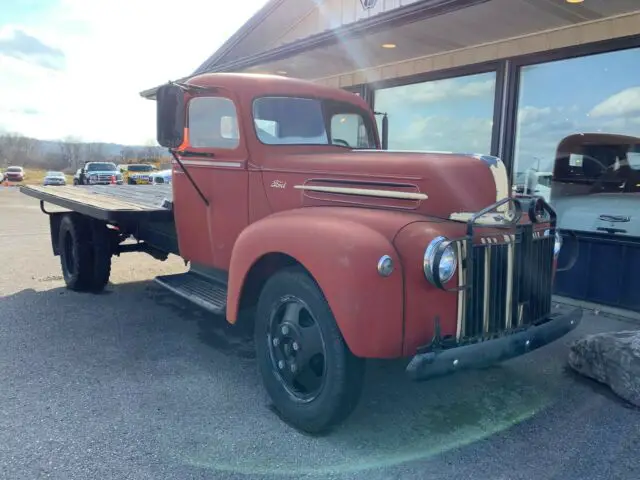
x,y
349,130
213,123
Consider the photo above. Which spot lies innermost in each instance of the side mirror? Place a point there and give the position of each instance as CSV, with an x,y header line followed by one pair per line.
x,y
170,116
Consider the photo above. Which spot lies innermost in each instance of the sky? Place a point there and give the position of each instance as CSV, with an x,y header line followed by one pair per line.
x,y
76,67
597,93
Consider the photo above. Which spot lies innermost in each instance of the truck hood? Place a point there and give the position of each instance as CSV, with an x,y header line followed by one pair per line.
x,y
602,213
434,184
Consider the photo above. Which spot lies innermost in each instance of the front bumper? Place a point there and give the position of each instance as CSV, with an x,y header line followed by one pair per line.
x,y
482,354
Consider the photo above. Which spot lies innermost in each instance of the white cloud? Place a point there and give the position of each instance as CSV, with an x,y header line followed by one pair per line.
x,y
439,90
622,103
470,134
529,114
111,50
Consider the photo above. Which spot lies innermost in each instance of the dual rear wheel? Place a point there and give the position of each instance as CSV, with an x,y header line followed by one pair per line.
x,y
85,253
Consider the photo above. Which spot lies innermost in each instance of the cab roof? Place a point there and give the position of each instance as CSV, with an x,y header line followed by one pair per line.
x,y
251,85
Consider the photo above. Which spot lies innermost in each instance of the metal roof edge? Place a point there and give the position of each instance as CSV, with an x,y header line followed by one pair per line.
x,y
256,19
414,11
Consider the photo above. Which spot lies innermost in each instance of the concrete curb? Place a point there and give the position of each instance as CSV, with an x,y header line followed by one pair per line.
x,y
598,309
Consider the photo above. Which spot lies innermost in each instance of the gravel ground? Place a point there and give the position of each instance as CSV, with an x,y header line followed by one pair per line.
x,y
135,383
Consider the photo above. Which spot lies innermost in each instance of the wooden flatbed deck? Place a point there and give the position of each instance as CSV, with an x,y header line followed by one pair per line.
x,y
111,203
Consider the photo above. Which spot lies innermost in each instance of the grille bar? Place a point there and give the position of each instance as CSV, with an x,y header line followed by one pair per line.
x,y
510,283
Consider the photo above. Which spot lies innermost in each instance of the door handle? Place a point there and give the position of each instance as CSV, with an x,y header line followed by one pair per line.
x,y
614,218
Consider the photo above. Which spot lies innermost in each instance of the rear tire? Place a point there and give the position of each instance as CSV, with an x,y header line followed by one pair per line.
x,y
100,238
85,254
310,374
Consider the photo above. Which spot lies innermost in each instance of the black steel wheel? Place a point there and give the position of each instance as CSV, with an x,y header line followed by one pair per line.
x,y
297,348
76,257
313,379
85,253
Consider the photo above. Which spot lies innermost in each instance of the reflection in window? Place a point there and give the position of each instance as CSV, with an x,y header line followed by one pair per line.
x,y
213,123
592,94
454,114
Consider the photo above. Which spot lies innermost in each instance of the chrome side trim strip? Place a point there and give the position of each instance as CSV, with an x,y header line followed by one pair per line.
x,y
204,163
364,192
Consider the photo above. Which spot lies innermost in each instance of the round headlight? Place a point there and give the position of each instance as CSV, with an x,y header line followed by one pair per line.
x,y
441,273
557,245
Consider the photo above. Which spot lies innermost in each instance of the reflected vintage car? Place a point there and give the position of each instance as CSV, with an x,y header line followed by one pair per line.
x,y
595,184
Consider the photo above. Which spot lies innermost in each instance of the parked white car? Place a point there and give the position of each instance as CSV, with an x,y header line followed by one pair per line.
x,y
55,178
160,178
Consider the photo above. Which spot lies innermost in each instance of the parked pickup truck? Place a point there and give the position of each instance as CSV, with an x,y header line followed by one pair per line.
x,y
293,217
97,173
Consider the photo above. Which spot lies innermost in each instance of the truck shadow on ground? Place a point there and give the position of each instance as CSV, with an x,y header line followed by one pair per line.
x,y
396,420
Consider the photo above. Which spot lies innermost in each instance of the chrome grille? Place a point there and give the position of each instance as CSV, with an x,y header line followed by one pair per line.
x,y
510,282
105,177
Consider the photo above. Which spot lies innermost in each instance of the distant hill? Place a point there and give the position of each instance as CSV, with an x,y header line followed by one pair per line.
x,y
108,149
69,154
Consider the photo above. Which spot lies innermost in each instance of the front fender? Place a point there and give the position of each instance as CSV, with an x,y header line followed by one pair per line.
x,y
342,256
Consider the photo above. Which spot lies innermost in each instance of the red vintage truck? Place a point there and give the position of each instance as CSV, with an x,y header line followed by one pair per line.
x,y
293,216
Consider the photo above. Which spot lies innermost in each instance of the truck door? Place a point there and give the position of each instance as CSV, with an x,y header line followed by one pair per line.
x,y
215,154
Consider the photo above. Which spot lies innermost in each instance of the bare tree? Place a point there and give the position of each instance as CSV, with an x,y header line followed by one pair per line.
x,y
16,149
71,149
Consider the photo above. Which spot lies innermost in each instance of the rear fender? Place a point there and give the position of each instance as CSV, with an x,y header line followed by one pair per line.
x,y
342,256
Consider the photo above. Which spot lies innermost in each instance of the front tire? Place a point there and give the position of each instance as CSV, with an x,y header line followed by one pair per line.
x,y
312,377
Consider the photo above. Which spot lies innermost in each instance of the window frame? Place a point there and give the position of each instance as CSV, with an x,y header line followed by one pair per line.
x,y
365,114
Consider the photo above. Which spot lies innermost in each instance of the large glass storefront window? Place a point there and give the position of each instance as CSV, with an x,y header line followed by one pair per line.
x,y
578,123
454,114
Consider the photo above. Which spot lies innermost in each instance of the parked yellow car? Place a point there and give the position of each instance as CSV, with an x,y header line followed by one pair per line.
x,y
137,173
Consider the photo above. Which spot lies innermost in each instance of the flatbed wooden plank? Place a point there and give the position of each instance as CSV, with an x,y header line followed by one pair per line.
x,y
108,197
109,202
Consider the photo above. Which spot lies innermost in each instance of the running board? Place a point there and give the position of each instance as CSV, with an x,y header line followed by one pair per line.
x,y
203,291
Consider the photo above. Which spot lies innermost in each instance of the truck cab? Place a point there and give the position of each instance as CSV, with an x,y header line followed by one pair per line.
x,y
295,219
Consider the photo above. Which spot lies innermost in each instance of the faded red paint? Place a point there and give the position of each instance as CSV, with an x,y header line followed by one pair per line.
x,y
255,210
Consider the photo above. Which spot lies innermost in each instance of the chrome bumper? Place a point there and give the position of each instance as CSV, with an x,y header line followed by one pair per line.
x,y
485,353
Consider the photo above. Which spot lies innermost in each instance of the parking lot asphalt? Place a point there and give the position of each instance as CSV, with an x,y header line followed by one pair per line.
x,y
135,383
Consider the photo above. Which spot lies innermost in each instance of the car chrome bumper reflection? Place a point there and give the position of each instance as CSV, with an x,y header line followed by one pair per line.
x,y
485,353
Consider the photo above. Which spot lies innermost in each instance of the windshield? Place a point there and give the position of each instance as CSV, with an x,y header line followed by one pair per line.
x,y
140,168
610,167
101,167
14,169
307,121
55,174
